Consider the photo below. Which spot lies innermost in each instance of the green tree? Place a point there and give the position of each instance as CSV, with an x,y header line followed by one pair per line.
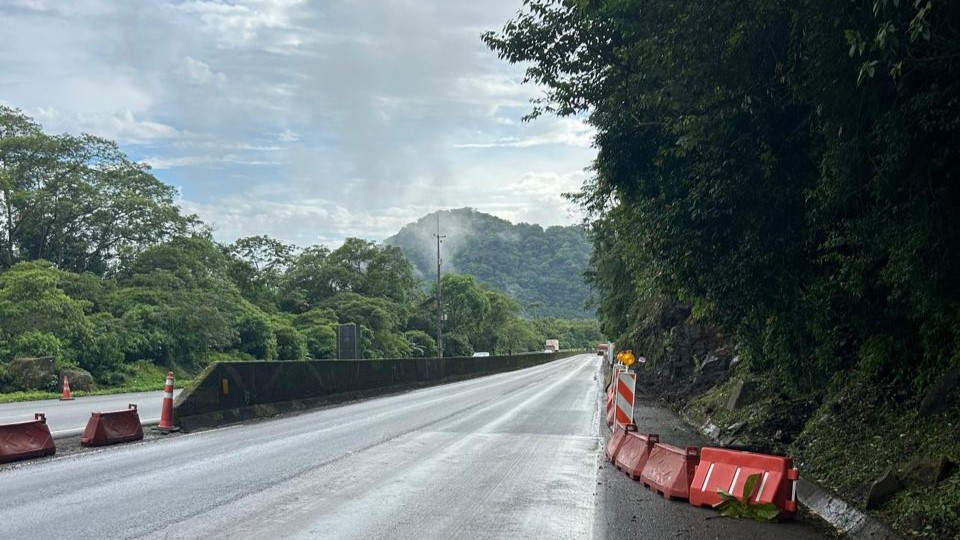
x,y
518,337
76,200
422,344
381,320
179,301
762,171
257,337
456,344
257,265
36,313
291,344
466,306
318,327
36,343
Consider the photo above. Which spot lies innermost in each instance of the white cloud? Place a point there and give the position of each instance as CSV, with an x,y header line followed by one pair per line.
x,y
200,72
359,116
160,163
122,125
288,135
565,131
238,23
296,222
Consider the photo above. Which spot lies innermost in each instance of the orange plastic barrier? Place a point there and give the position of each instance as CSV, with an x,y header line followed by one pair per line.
x,y
612,395
611,410
113,427
669,470
634,453
615,442
729,469
24,440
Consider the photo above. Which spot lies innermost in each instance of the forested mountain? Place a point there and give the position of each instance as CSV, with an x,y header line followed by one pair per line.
x,y
541,268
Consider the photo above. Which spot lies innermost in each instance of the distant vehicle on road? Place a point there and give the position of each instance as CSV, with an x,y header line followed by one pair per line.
x,y
481,353
602,349
553,345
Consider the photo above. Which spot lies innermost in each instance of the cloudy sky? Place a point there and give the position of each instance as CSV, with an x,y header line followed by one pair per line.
x,y
309,121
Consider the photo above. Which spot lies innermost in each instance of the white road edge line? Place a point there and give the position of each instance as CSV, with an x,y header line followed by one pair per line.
x,y
65,433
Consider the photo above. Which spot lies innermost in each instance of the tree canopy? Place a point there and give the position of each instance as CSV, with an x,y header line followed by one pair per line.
x,y
787,169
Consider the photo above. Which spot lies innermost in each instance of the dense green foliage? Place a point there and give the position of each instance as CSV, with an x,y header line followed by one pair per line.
x,y
787,169
542,268
100,270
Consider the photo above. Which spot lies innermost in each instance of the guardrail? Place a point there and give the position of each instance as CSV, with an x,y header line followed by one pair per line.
x,y
230,392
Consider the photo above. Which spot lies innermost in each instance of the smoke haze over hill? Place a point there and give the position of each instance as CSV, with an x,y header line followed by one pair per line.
x,y
542,268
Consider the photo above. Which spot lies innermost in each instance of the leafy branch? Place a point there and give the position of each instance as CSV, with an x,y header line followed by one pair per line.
x,y
731,506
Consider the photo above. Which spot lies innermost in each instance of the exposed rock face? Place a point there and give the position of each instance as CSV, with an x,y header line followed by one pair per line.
x,y
741,395
711,430
920,473
34,373
883,488
734,428
938,397
711,363
80,379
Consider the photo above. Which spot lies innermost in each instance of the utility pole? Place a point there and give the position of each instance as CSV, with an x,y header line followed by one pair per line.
x,y
440,238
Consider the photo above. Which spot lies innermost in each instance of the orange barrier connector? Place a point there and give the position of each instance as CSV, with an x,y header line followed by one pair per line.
x,y
633,454
615,442
610,398
669,470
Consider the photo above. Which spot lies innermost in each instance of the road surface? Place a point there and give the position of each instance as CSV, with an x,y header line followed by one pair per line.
x,y
69,416
514,455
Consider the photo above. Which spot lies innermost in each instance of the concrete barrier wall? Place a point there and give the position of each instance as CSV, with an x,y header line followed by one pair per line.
x,y
229,392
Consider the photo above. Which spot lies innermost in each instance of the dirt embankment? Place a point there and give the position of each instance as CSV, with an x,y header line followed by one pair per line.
x,y
845,436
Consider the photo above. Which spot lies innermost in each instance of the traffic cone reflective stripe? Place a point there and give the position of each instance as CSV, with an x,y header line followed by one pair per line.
x,y
166,412
66,390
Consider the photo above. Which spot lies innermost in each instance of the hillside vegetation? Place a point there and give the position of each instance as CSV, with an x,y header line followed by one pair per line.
x,y
541,268
100,270
777,182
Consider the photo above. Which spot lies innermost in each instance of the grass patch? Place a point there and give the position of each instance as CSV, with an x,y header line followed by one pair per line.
x,y
860,431
140,376
844,439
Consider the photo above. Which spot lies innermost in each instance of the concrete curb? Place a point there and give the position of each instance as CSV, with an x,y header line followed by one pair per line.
x,y
76,432
837,512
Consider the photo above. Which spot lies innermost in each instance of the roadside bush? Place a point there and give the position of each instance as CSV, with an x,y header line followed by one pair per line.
x,y
256,336
456,345
422,344
36,343
291,345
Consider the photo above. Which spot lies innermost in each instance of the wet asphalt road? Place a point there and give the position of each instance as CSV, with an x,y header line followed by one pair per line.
x,y
72,415
515,455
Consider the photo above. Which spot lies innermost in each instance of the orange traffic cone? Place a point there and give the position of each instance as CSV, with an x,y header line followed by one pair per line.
x,y
166,412
66,390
